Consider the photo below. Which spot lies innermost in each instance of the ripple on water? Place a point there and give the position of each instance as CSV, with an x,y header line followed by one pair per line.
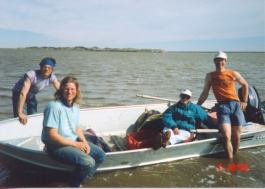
x,y
108,79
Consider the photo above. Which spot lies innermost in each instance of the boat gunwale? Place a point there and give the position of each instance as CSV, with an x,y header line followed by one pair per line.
x,y
147,149
64,167
100,108
211,138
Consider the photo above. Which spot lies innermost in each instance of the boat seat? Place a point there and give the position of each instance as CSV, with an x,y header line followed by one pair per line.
x,y
119,142
26,141
33,142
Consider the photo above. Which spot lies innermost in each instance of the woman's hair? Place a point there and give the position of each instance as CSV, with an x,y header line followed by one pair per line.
x,y
59,93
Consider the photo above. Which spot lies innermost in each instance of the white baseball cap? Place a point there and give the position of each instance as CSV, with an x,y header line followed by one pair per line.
x,y
186,92
220,54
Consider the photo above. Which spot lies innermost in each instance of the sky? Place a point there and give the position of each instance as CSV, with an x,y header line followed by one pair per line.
x,y
173,25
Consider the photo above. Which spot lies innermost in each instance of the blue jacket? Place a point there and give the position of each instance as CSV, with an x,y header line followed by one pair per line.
x,y
184,116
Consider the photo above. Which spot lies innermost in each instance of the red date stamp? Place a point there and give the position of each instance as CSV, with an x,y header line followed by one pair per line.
x,y
233,167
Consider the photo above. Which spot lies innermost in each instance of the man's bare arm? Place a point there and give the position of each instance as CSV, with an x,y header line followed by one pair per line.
x,y
206,89
56,84
22,99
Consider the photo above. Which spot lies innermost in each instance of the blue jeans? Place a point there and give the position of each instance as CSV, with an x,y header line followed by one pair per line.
x,y
230,113
31,103
86,164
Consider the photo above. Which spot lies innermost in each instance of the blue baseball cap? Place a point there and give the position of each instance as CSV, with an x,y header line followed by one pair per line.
x,y
48,61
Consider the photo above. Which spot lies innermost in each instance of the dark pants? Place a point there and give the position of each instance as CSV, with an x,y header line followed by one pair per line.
x,y
31,104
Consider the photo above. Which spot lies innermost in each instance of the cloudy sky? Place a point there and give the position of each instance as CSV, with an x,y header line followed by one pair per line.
x,y
179,25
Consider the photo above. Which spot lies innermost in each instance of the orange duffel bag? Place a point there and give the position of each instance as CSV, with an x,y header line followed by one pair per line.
x,y
146,138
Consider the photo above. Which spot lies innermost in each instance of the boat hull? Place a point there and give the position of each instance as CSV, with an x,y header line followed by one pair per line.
x,y
27,146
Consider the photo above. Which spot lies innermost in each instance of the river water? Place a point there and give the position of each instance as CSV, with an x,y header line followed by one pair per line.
x,y
114,78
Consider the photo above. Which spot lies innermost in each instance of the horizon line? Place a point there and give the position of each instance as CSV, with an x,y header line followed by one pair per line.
x,y
183,51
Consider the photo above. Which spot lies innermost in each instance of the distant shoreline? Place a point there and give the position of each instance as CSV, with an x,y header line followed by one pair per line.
x,y
97,49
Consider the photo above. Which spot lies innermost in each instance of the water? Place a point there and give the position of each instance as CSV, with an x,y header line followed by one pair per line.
x,y
114,78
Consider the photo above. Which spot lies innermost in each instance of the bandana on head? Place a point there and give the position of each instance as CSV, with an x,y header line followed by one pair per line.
x,y
47,61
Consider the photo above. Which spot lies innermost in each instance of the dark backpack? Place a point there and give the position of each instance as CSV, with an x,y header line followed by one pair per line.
x,y
150,119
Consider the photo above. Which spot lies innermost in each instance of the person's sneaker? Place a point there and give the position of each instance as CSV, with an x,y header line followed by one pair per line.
x,y
165,138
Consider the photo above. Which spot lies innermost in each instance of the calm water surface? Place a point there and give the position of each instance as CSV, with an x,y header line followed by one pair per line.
x,y
114,78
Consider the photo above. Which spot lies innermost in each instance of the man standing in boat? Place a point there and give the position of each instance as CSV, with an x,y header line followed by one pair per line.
x,y
229,108
27,87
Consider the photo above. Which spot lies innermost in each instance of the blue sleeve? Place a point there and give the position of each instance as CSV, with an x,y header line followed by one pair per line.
x,y
51,116
184,124
168,119
201,114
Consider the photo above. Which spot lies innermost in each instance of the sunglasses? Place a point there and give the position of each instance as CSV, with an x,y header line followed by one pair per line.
x,y
182,96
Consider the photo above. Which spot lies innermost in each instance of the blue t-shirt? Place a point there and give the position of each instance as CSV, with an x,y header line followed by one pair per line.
x,y
37,82
64,118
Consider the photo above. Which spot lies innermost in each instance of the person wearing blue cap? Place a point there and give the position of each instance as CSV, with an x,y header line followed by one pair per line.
x,y
29,85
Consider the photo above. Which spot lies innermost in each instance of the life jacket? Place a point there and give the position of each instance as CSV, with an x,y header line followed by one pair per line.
x,y
144,139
